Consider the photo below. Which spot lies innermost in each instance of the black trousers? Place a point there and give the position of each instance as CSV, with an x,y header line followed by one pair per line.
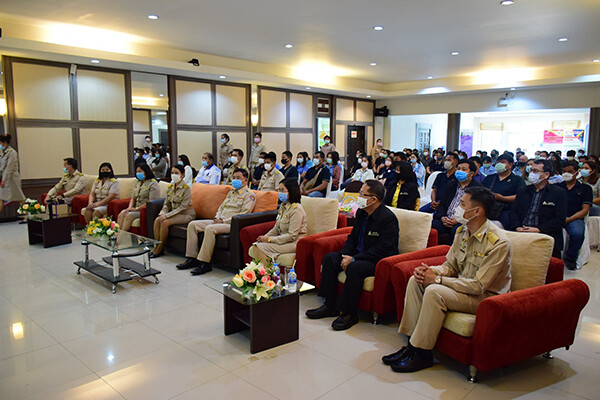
x,y
356,272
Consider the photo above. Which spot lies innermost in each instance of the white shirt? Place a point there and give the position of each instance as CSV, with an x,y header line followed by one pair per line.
x,y
188,177
363,176
209,175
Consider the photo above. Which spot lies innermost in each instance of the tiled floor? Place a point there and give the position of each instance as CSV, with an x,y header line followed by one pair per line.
x,y
65,336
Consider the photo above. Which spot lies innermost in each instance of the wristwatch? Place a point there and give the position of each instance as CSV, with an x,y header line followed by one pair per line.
x,y
438,279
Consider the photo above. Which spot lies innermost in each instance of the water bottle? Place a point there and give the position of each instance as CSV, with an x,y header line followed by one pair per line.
x,y
291,281
277,272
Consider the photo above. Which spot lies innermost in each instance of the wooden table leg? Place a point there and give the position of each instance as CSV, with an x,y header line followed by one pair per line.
x,y
231,323
274,322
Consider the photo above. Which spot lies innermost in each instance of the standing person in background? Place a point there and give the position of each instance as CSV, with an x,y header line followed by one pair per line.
x,y
145,189
376,150
271,176
159,165
418,169
328,147
287,169
147,143
333,160
225,169
188,176
72,184
589,175
209,174
224,150
257,148
486,167
258,171
317,178
105,189
10,178
237,155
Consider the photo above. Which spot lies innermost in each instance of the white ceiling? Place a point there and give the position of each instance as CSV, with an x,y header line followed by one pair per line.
x,y
500,46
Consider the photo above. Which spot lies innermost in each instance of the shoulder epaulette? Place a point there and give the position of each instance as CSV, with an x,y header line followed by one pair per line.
x,y
460,228
492,237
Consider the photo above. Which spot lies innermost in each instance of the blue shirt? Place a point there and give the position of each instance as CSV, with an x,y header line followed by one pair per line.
x,y
488,171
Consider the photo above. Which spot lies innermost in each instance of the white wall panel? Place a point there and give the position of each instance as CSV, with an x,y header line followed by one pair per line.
x,y
272,109
301,111
104,145
194,144
101,96
301,142
42,150
194,105
274,141
340,139
344,110
141,121
232,105
364,111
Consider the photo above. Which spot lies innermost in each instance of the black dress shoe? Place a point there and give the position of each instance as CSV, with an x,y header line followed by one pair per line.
x,y
570,264
187,264
344,322
153,255
397,356
322,312
417,360
203,268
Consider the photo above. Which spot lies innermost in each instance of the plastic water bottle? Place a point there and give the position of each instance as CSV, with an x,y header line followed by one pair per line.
x,y
291,281
278,274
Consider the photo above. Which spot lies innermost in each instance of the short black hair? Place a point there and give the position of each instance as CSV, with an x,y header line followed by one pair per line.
x,y
147,170
400,155
243,171
573,164
179,168
5,138
239,151
72,162
106,164
326,137
258,134
407,174
471,164
271,156
375,188
291,184
262,153
547,165
453,155
544,151
482,196
185,159
476,159
226,136
288,154
486,159
320,154
571,153
208,155
506,157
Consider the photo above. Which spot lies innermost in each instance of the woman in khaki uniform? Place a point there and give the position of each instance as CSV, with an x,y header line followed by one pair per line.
x,y
10,178
289,228
105,189
224,150
177,209
145,189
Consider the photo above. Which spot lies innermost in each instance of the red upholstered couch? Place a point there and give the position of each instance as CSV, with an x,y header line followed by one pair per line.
x,y
509,327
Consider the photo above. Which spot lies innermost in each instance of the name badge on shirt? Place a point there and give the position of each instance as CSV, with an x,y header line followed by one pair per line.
x,y
376,234
548,203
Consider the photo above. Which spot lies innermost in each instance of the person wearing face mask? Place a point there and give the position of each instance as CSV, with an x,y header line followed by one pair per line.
x,y
71,184
544,155
505,185
257,148
376,150
486,167
404,193
479,177
147,143
190,172
436,163
287,169
333,160
10,178
365,172
271,176
224,150
177,209
317,178
374,236
145,189
290,225
477,266
105,189
237,155
441,182
540,207
387,176
328,147
444,221
380,161
258,171
239,200
138,156
570,157
520,166
418,169
303,164
209,174
556,176
589,175
579,202
425,157
159,164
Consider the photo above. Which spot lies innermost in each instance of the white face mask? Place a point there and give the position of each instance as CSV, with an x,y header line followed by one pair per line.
x,y
459,215
362,202
268,166
364,164
234,159
176,178
388,163
567,177
534,178
261,161
448,164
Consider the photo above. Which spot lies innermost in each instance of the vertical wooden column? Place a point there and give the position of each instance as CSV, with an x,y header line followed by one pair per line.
x,y
594,133
453,132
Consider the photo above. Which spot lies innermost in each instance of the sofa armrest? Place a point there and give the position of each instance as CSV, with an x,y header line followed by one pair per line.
x,y
432,240
153,208
238,222
249,234
321,247
78,203
514,326
115,207
556,268
342,221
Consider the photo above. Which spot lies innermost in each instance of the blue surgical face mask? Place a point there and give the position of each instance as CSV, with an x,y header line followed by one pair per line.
x,y
223,140
65,170
2,147
528,168
461,175
180,163
140,176
585,173
237,184
580,164
204,163
283,197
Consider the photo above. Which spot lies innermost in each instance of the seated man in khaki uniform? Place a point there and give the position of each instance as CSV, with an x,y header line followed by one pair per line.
x,y
72,184
271,177
477,267
240,200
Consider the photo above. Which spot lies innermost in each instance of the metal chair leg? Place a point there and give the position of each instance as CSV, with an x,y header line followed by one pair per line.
x,y
473,374
548,356
375,318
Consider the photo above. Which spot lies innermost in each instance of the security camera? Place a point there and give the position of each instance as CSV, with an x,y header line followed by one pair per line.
x,y
194,62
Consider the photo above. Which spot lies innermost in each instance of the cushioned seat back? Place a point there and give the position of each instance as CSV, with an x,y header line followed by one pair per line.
x,y
414,229
89,182
126,187
321,214
206,199
265,201
531,253
164,186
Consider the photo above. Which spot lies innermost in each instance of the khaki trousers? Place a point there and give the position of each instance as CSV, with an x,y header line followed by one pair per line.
x,y
425,310
210,230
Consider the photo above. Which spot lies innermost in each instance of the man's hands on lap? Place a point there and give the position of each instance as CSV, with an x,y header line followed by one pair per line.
x,y
346,260
424,275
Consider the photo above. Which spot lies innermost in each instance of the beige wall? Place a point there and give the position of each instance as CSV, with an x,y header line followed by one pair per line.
x,y
101,96
274,141
194,144
301,111
272,109
340,139
194,104
301,142
42,150
364,111
141,122
94,150
344,110
232,105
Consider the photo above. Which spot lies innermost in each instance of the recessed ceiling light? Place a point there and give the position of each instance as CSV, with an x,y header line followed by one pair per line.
x,y
307,88
152,16
289,46
596,60
94,61
378,28
507,2
373,64
161,95
454,53
222,77
368,96
563,39
430,77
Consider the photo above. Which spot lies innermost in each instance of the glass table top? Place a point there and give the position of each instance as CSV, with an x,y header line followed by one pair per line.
x,y
45,216
124,241
227,288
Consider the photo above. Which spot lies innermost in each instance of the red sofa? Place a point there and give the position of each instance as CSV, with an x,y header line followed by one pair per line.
x,y
509,327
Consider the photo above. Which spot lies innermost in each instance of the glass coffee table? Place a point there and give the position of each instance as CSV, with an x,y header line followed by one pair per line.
x,y
272,322
120,267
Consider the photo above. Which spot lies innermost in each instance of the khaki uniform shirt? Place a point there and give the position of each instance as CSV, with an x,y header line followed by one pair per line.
x,y
478,264
255,154
9,174
72,185
237,202
179,199
269,181
290,226
224,151
327,148
102,190
231,170
144,191
374,153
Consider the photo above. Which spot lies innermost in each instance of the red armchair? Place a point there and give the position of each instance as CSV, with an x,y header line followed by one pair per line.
x,y
509,327
116,206
77,204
